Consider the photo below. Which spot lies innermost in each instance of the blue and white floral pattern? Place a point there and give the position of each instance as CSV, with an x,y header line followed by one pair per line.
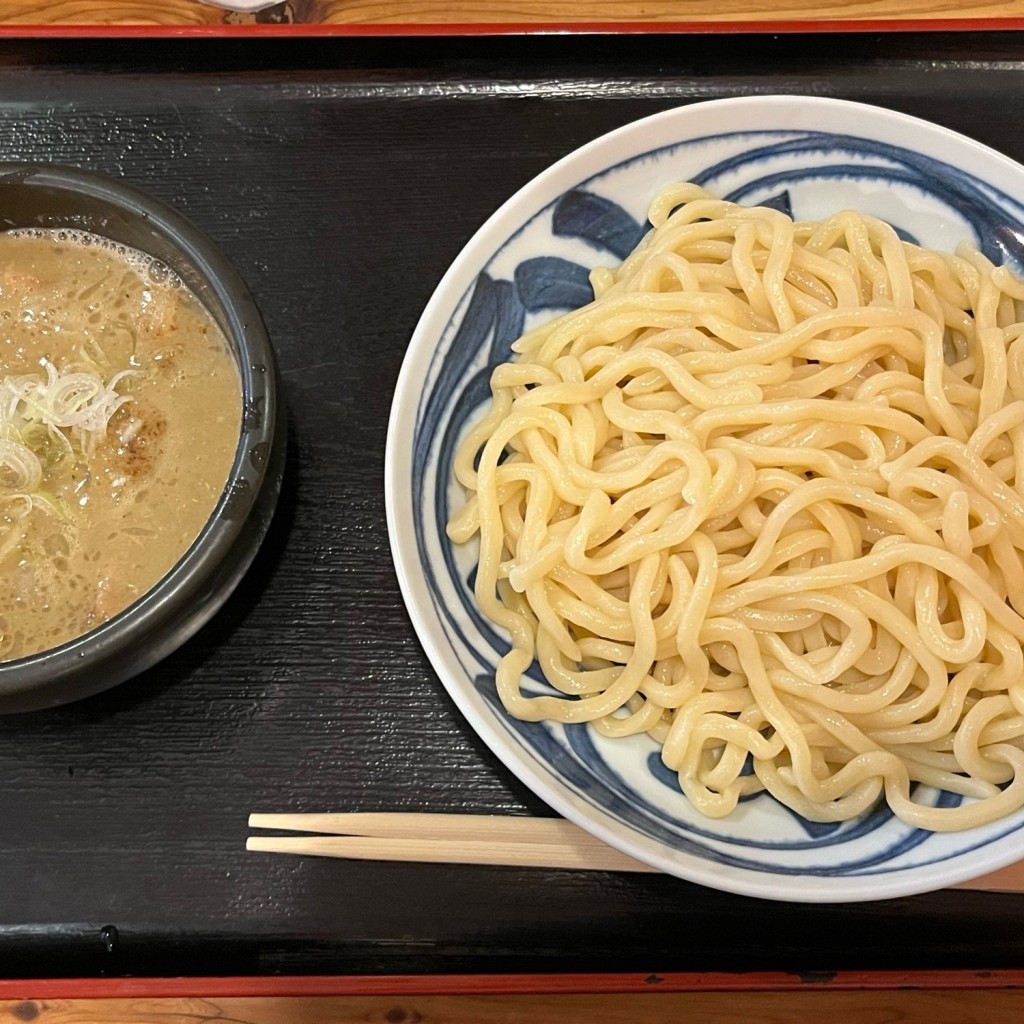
x,y
532,266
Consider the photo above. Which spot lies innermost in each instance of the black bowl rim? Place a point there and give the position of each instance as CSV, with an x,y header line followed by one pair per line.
x,y
134,639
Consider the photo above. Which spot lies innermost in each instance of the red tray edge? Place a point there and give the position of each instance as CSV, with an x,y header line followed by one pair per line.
x,y
499,984
284,986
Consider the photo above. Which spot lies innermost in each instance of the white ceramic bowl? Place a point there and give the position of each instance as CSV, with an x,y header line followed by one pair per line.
x,y
529,261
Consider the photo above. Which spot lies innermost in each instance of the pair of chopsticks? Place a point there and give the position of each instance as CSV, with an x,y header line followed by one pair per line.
x,y
478,839
442,839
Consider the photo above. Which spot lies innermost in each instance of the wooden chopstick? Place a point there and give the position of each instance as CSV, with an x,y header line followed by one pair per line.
x,y
514,840
429,827
442,839
1008,879
452,851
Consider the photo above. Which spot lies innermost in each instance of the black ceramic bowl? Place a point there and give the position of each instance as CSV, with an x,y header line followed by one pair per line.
x,y
161,620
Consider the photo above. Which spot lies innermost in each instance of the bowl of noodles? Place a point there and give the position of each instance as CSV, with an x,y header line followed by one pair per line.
x,y
140,444
704,490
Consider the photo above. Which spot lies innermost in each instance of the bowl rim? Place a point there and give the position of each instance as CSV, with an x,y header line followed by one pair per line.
x,y
536,195
26,681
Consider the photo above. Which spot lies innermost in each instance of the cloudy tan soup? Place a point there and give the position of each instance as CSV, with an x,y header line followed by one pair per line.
x,y
120,413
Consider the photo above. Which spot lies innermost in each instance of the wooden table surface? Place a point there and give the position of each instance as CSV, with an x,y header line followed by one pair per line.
x,y
878,998
485,16
864,1007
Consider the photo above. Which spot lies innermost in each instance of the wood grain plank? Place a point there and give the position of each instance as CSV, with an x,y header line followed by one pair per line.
x,y
109,12
529,12
882,1007
194,13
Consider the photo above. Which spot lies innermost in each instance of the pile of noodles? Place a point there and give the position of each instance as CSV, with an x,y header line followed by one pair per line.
x,y
763,499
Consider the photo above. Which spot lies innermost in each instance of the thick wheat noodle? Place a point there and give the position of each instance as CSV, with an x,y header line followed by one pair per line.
x,y
763,499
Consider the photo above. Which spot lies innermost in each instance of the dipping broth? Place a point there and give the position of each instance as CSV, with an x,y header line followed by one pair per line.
x,y
120,414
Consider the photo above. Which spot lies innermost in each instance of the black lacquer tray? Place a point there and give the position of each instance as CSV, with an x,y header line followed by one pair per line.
x,y
342,177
